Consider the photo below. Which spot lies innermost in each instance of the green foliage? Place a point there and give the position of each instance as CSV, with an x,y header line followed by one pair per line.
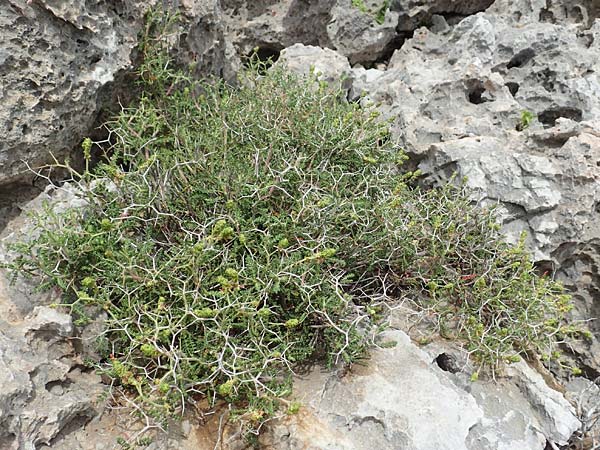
x,y
234,232
479,289
378,14
360,5
526,119
218,234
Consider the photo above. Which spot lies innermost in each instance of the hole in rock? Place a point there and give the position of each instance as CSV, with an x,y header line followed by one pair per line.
x,y
586,39
475,94
547,16
386,54
95,58
521,58
545,268
578,14
447,363
548,117
266,54
547,78
52,384
512,87
452,18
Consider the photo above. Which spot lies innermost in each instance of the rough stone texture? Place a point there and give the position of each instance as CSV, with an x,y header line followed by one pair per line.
x,y
404,400
357,35
355,32
46,389
202,40
62,62
415,13
328,65
57,62
336,24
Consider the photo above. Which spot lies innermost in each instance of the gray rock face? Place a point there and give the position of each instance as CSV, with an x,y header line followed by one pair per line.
x,y
203,41
61,63
46,387
328,65
415,13
404,400
358,35
336,24
57,60
363,31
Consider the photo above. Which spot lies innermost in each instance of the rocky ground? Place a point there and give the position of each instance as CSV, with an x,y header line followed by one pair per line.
x,y
457,77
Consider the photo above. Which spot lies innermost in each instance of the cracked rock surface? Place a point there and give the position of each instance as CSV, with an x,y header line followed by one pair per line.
x,y
58,64
46,388
404,400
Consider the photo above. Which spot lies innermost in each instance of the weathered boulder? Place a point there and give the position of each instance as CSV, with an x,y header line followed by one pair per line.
x,y
328,65
364,31
416,13
201,40
405,399
46,387
362,35
58,63
63,64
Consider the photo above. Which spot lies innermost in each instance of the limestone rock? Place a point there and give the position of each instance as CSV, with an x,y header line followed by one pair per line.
x,y
57,62
461,98
413,14
328,65
361,33
46,389
358,35
42,393
402,399
63,63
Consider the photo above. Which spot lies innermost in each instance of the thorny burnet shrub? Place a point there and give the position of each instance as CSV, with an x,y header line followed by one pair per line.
x,y
232,233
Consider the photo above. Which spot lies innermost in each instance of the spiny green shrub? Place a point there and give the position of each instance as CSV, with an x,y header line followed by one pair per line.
x,y
222,233
232,233
475,286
